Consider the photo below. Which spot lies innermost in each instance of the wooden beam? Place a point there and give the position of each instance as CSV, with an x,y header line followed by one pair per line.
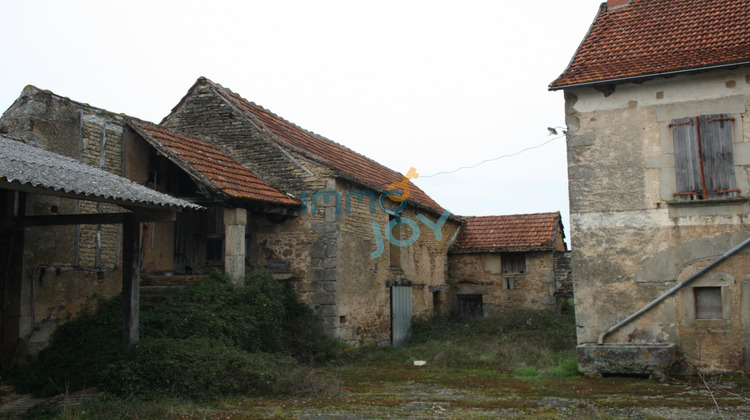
x,y
86,219
130,284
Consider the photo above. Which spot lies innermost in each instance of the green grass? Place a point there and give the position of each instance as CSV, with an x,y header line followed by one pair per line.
x,y
520,338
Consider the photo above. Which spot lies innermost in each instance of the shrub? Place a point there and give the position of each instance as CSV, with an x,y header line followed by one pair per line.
x,y
209,339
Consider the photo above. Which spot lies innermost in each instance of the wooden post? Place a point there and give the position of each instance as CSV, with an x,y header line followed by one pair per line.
x,y
130,280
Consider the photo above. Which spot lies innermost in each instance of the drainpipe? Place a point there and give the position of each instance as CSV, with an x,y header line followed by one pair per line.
x,y
673,289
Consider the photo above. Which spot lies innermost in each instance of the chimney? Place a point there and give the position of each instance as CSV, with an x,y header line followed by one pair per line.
x,y
617,4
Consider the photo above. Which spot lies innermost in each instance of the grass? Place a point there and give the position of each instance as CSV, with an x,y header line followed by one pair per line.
x,y
197,351
521,364
517,339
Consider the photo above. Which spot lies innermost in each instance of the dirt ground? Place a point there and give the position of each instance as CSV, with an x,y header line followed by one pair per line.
x,y
427,393
379,391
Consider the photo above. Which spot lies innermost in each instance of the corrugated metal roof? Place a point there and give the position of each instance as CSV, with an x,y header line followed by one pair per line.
x,y
28,165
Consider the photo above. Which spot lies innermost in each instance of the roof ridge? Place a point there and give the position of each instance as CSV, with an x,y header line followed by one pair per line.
x,y
218,180
279,117
29,89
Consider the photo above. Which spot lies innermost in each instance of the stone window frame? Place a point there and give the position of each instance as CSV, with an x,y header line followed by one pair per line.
x,y
665,162
704,157
721,280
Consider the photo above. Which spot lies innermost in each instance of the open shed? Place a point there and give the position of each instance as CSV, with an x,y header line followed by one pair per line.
x,y
29,177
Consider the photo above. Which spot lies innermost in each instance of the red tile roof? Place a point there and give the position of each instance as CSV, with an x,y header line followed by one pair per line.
x,y
514,232
651,37
208,163
322,150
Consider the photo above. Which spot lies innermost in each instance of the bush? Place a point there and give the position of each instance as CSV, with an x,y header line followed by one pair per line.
x,y
210,339
197,369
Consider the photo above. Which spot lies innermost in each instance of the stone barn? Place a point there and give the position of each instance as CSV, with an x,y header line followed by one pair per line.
x,y
354,247
506,262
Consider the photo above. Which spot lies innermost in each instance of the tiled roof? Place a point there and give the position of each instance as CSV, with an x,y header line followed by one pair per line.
x,y
209,164
320,149
651,37
22,164
518,231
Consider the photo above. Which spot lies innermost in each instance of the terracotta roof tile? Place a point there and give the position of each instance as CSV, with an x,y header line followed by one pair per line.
x,y
208,162
325,151
507,232
651,37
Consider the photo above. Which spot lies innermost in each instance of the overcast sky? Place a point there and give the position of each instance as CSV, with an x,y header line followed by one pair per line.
x,y
436,85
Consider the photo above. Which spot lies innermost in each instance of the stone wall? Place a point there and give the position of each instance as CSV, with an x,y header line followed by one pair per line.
x,y
329,246
65,268
631,240
473,274
206,115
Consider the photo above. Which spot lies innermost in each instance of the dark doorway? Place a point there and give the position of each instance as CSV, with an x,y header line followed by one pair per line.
x,y
469,306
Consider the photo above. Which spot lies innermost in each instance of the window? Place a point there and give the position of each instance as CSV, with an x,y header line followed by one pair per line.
x,y
707,302
704,163
509,283
513,263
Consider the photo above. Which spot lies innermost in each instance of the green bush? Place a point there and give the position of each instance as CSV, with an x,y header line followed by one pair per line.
x,y
198,369
209,339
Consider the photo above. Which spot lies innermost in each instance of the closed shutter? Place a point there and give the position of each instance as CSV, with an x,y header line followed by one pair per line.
x,y
687,165
718,162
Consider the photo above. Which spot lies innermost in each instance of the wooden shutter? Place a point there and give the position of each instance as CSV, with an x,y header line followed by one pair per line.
x,y
718,161
686,161
513,262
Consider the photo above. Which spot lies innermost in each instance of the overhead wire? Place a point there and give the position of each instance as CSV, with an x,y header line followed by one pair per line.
x,y
494,159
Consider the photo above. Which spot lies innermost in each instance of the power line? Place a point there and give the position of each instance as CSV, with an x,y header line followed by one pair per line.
x,y
494,159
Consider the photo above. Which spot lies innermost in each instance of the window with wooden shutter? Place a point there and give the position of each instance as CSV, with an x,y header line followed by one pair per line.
x,y
513,262
704,164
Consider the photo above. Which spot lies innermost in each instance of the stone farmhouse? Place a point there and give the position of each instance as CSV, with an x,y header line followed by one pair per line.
x,y
365,247
658,141
503,262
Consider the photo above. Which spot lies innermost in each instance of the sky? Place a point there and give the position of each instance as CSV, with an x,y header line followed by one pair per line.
x,y
435,85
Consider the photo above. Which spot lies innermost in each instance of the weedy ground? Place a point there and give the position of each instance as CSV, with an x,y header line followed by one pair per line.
x,y
521,364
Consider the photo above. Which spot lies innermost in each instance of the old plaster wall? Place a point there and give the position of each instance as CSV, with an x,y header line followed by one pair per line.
x,y
473,274
68,268
630,241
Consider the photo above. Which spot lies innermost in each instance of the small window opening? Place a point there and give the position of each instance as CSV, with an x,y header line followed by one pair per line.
x,y
513,263
509,283
707,302
342,320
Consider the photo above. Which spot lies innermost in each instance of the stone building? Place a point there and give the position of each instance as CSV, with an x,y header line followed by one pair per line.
x,y
656,100
68,268
328,220
506,262
355,247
